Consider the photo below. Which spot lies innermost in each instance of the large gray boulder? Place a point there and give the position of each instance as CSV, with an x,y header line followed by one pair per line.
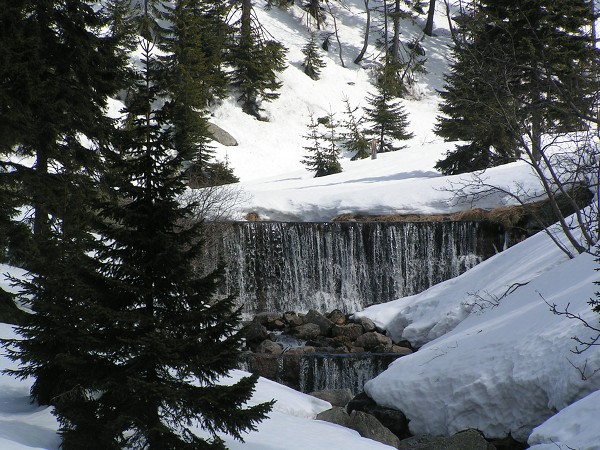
x,y
268,346
368,426
254,333
392,419
307,331
336,415
221,136
319,319
351,330
337,397
367,324
373,340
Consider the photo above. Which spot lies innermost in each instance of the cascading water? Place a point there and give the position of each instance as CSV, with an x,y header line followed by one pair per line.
x,y
323,371
309,372
280,266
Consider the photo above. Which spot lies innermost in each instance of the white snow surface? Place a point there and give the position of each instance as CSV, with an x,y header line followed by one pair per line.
x,y
290,425
566,430
505,369
502,369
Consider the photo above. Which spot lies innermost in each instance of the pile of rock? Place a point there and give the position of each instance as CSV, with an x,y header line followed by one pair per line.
x,y
390,427
333,332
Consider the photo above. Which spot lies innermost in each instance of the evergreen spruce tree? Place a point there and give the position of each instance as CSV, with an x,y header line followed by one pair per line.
x,y
388,119
353,138
520,69
204,42
466,117
313,63
158,337
188,85
69,61
323,158
255,62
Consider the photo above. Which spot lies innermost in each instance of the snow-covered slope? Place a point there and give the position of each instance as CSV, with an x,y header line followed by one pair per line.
x,y
24,426
508,367
430,314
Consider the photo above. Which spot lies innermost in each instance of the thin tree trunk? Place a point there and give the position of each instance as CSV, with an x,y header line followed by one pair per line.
x,y
429,25
337,36
367,30
40,221
314,8
396,29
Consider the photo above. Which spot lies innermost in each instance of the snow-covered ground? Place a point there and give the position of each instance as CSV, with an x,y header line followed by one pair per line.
x,y
508,365
500,368
24,426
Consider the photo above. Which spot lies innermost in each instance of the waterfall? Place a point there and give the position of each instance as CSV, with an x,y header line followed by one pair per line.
x,y
281,266
323,371
308,372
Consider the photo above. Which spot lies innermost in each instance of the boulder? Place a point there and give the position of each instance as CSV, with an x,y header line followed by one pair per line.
x,y
306,332
336,415
401,350
322,342
299,350
271,321
463,440
319,319
293,319
367,324
221,136
351,330
392,419
264,364
254,333
337,397
374,341
337,317
368,426
268,346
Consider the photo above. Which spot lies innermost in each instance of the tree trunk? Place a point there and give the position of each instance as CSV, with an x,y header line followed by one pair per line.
x,y
314,8
246,22
396,29
429,25
367,30
337,35
40,221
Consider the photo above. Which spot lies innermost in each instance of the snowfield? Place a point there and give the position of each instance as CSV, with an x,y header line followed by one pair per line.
x,y
505,369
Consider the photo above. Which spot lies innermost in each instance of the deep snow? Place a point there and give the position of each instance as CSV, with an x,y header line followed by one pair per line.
x,y
501,369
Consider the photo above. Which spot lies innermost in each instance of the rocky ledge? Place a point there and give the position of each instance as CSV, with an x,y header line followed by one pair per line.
x,y
315,351
334,332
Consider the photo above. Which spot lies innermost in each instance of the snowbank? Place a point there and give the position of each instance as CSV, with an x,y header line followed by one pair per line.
x,y
24,426
574,427
507,369
430,314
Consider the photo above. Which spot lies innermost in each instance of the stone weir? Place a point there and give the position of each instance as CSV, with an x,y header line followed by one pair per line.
x,y
284,266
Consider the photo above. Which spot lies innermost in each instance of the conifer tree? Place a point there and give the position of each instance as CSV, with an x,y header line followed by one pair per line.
x,y
323,158
471,111
255,60
188,84
69,60
388,120
530,64
353,138
313,63
158,337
